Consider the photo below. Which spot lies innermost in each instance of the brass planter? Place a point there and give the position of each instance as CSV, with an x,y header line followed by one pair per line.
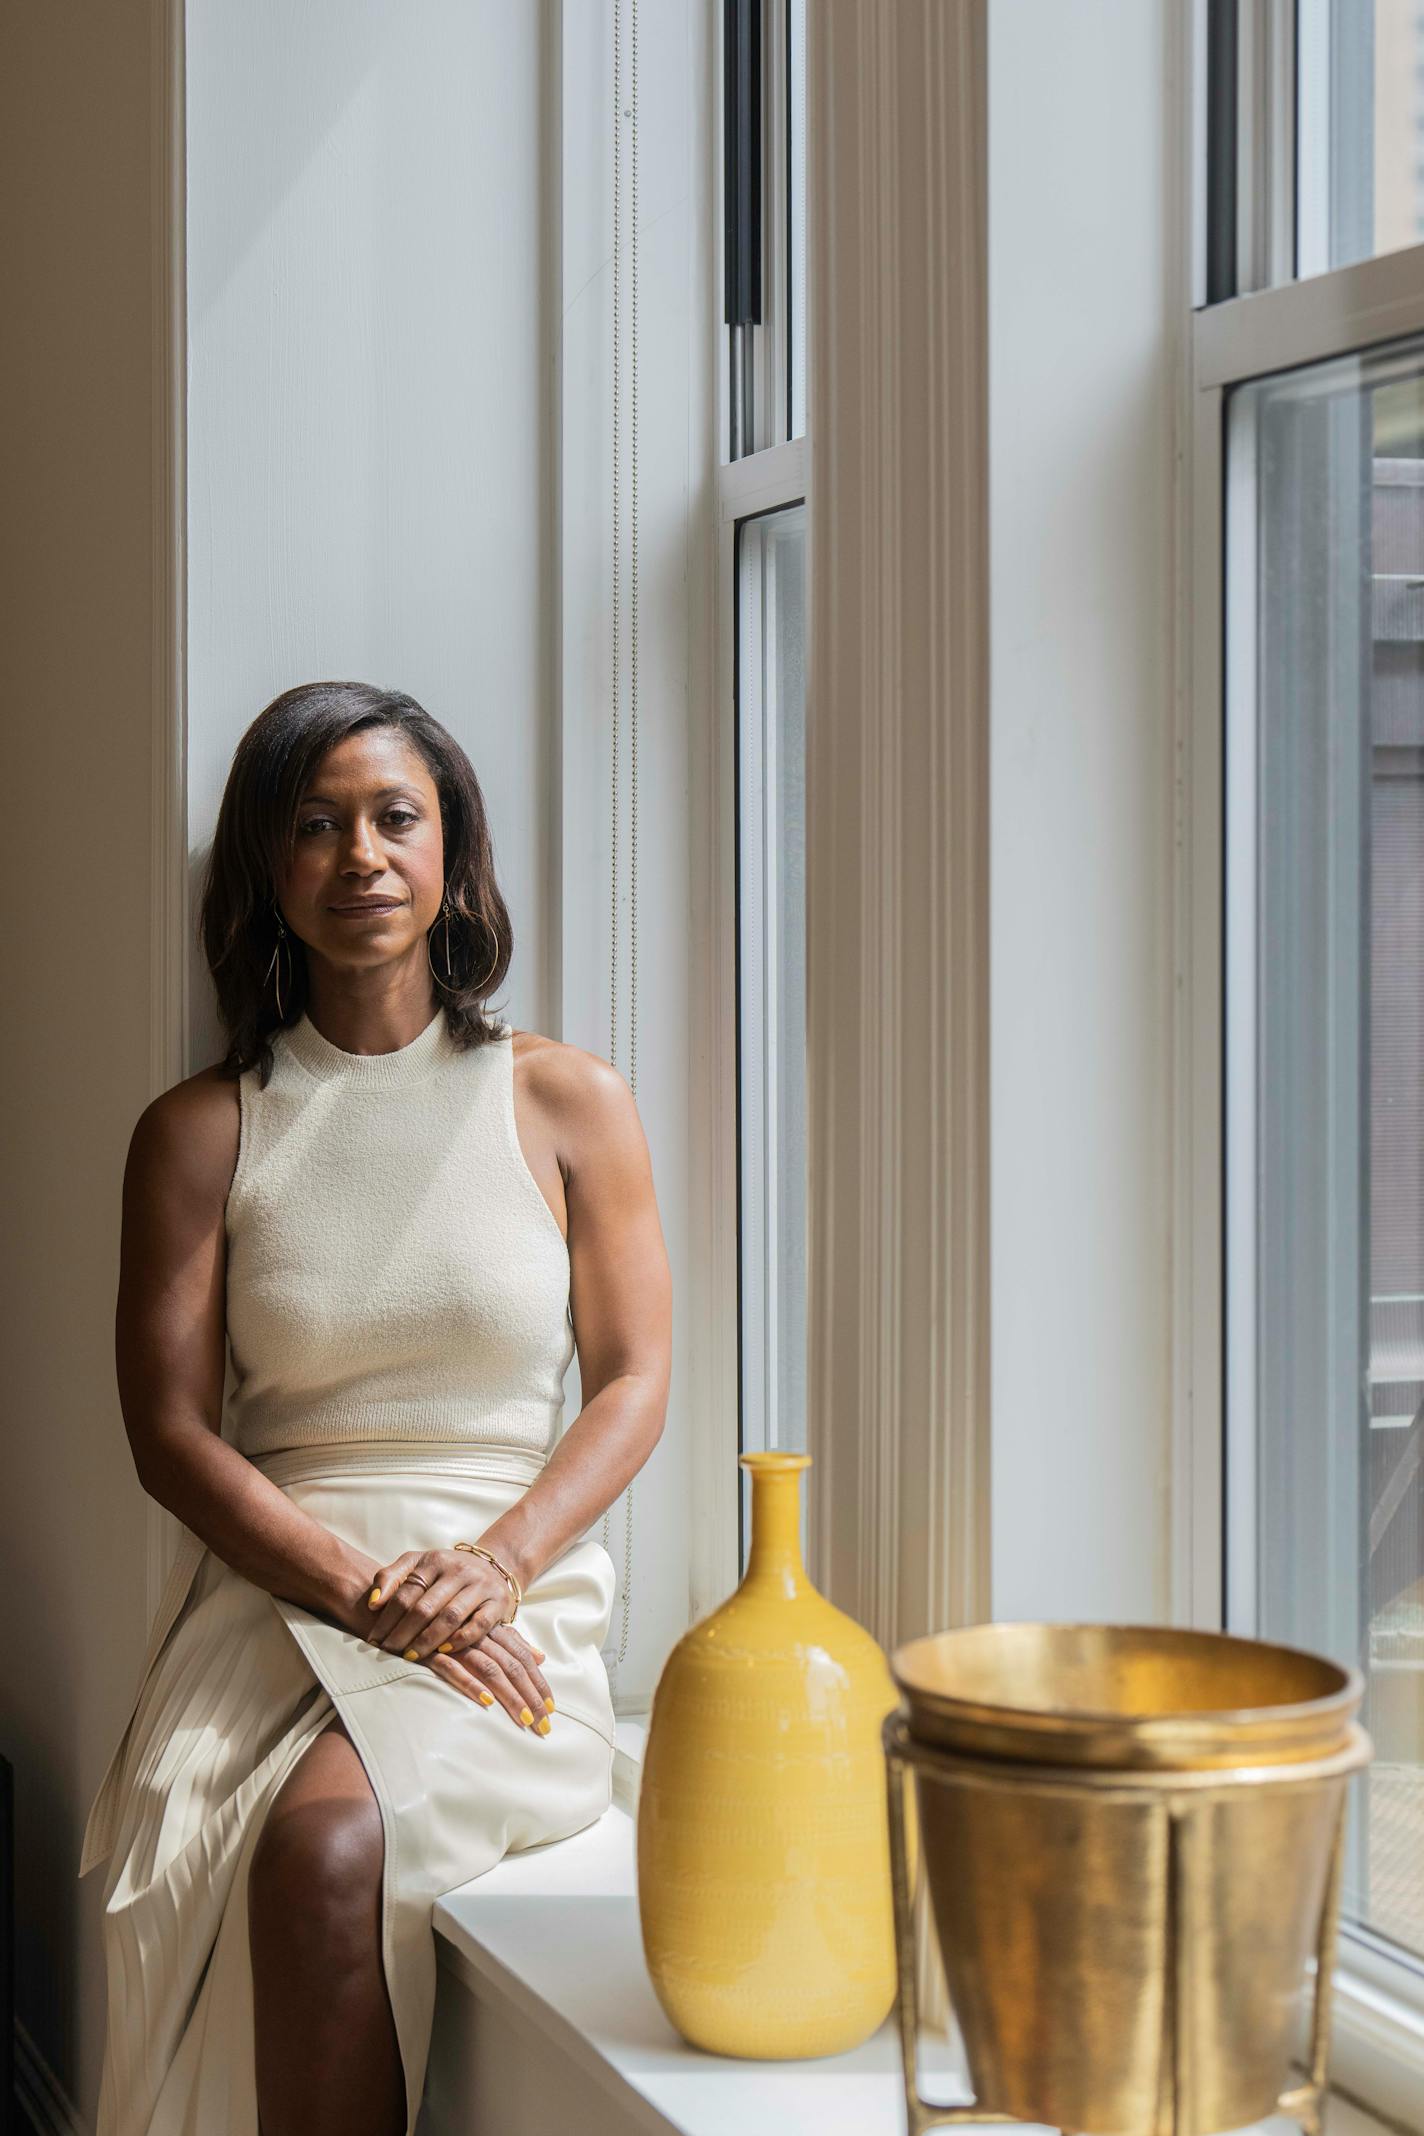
x,y
1133,1839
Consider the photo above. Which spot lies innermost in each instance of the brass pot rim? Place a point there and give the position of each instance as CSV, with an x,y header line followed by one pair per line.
x,y
1294,1728
971,1769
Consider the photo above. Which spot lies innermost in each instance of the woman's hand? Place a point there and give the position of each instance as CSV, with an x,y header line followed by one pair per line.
x,y
454,1623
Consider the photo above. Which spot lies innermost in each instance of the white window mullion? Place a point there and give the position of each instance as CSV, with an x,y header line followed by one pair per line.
x,y
758,1285
1313,137
774,335
771,1040
796,221
1265,157
1239,1121
769,724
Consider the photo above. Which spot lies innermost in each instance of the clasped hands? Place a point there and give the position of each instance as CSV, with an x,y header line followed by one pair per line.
x,y
453,1624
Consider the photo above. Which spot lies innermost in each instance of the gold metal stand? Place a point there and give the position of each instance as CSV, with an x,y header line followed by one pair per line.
x,y
1179,1798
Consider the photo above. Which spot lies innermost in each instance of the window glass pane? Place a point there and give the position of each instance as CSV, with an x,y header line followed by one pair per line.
x,y
771,859
1325,904
1361,81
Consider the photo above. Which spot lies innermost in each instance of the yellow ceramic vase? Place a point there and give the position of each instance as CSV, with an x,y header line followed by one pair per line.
x,y
763,1835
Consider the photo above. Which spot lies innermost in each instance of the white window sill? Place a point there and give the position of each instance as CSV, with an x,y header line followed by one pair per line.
x,y
547,2023
548,1948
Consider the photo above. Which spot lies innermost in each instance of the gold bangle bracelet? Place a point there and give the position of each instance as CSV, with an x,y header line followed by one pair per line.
x,y
478,1550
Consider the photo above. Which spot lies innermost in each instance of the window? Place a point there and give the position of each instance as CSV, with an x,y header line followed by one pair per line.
x,y
762,585
1325,893
1307,731
1361,71
1314,136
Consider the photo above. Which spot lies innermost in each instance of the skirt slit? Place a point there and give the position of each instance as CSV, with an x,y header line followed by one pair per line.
x,y
227,1703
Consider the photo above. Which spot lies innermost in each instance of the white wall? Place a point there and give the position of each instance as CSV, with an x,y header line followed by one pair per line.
x,y
1081,327
371,480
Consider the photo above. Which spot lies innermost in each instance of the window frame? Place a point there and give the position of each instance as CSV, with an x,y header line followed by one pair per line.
x,y
1273,323
769,477
759,352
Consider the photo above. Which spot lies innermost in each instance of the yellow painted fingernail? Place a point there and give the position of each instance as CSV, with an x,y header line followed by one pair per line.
x,y
544,1726
445,1648
486,1698
375,1594
410,1655
526,1717
548,1705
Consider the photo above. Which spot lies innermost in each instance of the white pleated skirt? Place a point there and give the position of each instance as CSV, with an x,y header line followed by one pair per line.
x,y
235,1685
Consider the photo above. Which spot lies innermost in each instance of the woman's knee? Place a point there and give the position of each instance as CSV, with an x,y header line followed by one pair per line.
x,y
320,1854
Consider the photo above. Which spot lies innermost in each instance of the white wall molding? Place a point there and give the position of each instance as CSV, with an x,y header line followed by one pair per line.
x,y
684,942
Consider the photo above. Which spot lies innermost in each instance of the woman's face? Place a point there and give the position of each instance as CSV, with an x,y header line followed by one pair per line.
x,y
367,827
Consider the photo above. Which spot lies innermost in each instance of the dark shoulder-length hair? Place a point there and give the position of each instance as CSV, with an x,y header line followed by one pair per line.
x,y
237,926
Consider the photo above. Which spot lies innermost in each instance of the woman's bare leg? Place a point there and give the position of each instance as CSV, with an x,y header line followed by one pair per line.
x,y
327,2055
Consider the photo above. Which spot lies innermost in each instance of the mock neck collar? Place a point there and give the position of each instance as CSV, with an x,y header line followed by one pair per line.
x,y
370,1071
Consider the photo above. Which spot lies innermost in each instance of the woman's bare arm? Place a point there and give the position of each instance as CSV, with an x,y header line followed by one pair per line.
x,y
620,1298
170,1339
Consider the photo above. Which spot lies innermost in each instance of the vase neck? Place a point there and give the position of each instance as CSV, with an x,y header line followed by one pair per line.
x,y
774,1558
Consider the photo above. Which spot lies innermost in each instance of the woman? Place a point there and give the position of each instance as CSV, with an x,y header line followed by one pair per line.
x,y
400,1217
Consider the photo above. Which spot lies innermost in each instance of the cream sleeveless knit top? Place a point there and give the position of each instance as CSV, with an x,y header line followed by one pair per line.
x,y
396,1281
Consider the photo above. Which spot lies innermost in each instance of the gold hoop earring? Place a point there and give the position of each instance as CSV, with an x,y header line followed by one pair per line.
x,y
449,983
274,965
